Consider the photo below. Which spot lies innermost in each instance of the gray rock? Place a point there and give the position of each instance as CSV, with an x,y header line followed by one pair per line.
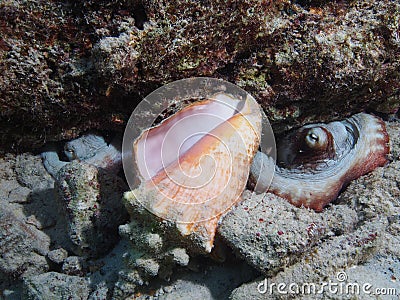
x,y
58,255
52,285
31,173
91,199
22,247
211,282
270,233
322,265
74,265
19,195
100,293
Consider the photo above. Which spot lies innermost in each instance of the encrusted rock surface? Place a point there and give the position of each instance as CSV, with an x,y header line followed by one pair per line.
x,y
92,202
270,233
22,247
210,281
52,285
23,244
155,249
68,67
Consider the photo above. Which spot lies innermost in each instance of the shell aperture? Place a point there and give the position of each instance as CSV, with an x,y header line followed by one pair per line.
x,y
195,164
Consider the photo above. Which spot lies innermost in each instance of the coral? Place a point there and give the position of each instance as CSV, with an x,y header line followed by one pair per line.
x,y
70,67
156,249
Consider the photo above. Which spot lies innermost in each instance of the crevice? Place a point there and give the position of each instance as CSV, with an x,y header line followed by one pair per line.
x,y
140,16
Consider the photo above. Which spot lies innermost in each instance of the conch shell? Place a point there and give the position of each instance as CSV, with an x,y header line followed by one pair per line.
x,y
195,164
317,161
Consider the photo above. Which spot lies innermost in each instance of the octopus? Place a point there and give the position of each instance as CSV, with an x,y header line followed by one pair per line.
x,y
316,161
90,148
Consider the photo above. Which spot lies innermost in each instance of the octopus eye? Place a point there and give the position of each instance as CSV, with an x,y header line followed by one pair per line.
x,y
316,139
70,153
313,136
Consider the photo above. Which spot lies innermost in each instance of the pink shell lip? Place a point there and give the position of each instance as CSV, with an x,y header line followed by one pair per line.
x,y
163,152
171,183
230,139
163,144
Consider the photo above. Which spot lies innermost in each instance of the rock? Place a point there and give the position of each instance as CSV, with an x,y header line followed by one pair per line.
x,y
41,221
54,285
22,247
100,293
74,265
213,281
324,264
58,255
12,187
91,199
298,58
270,233
154,250
31,173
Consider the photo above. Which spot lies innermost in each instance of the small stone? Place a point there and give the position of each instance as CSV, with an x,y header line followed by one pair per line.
x,y
149,266
168,289
74,265
45,221
22,247
58,255
99,293
180,256
31,173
